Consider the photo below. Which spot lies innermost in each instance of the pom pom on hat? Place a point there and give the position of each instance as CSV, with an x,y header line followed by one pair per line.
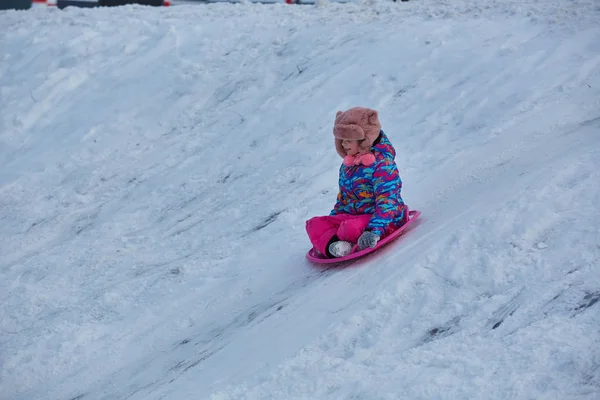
x,y
364,159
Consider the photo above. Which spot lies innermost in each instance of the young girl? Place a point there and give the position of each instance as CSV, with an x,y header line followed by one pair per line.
x,y
369,205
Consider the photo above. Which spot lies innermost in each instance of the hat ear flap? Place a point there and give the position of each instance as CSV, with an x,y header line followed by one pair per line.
x,y
364,147
339,148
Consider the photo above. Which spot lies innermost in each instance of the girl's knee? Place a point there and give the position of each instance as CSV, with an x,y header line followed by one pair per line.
x,y
350,231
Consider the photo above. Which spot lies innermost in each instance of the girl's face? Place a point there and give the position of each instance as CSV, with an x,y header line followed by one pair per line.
x,y
350,146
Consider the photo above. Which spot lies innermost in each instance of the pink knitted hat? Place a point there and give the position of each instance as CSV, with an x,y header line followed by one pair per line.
x,y
357,123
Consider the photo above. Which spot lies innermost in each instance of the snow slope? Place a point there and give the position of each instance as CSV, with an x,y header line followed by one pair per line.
x,y
158,166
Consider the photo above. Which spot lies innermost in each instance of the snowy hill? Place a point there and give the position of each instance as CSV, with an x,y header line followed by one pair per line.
x,y
158,166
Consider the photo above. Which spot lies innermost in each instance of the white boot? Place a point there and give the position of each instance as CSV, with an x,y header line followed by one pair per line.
x,y
341,248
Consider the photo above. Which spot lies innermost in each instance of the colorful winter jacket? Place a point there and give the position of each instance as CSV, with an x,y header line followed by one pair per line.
x,y
373,189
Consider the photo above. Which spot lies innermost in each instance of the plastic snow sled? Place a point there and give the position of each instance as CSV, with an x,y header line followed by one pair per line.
x,y
315,257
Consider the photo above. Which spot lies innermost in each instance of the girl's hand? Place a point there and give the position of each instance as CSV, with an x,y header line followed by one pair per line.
x,y
367,239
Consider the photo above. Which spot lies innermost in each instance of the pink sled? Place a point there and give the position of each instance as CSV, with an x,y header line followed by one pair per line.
x,y
315,257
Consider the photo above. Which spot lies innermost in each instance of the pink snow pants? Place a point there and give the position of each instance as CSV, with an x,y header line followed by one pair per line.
x,y
347,227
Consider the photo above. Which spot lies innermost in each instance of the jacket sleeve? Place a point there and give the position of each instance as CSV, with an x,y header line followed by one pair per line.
x,y
340,201
387,186
338,204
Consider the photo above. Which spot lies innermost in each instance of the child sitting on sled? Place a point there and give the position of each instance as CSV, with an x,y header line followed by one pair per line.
x,y
369,205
